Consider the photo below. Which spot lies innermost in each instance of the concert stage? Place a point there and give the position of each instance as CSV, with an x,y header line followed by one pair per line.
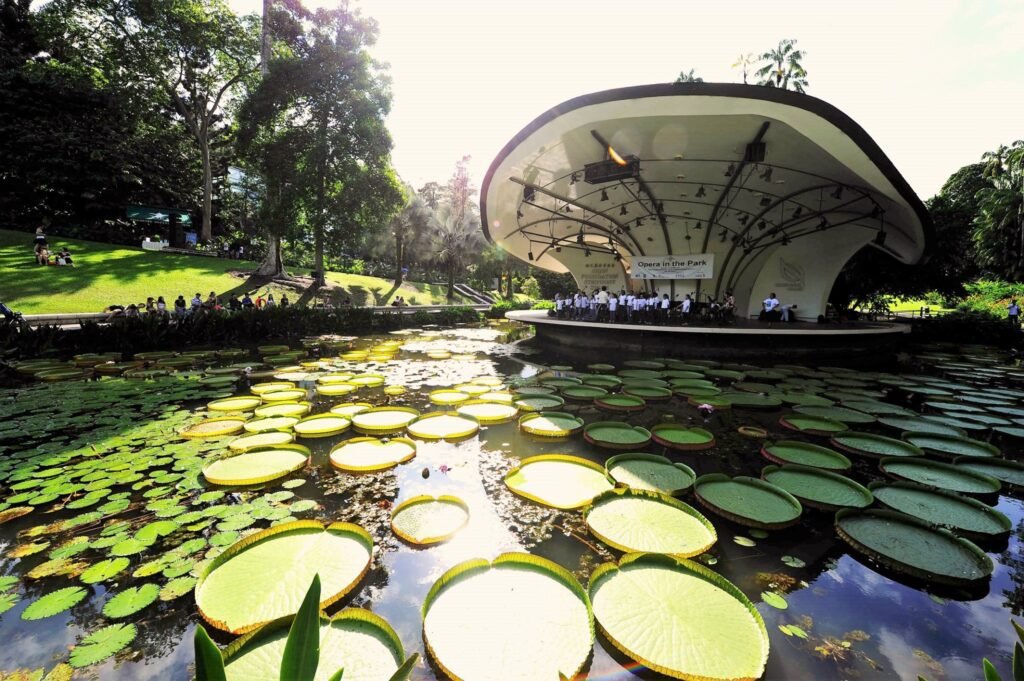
x,y
778,342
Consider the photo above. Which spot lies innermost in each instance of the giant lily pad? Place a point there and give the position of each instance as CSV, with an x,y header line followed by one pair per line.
x,y
219,427
875,446
964,516
242,403
718,634
520,618
322,425
950,446
942,475
912,546
748,501
636,520
448,396
363,454
1010,473
558,480
836,413
384,419
650,472
621,402
616,435
584,392
253,468
678,436
424,520
550,424
257,440
266,575
817,488
356,640
443,426
270,423
539,402
814,425
294,409
488,412
920,425
805,454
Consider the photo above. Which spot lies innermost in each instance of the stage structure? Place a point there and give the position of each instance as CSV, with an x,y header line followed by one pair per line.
x,y
701,189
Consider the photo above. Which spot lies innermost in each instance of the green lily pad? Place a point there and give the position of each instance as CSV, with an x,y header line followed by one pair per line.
x,y
875,446
176,588
805,454
774,599
558,480
550,424
814,425
942,475
718,635
621,403
912,546
950,446
252,468
1010,473
423,520
818,488
677,436
836,413
55,603
920,425
636,520
130,601
584,392
962,515
476,608
539,402
616,435
748,501
650,472
104,570
101,644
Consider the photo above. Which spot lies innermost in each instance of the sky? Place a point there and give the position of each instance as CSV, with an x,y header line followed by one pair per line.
x,y
936,83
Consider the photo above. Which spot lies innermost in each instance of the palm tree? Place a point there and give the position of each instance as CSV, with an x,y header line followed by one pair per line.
x,y
744,61
999,226
685,77
410,228
781,67
456,238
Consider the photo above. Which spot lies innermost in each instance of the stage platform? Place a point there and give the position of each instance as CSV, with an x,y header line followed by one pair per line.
x,y
778,342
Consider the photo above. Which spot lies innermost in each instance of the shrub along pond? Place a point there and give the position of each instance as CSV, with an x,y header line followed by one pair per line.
x,y
508,517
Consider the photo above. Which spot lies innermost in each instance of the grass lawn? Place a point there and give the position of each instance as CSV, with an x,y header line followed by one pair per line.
x,y
105,274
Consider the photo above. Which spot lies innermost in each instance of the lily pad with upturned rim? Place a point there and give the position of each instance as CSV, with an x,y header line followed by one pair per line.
x,y
616,435
749,400
621,403
550,424
477,608
942,475
266,575
805,454
584,393
441,425
874,446
1009,473
912,546
539,402
961,515
685,438
253,468
364,454
258,440
648,392
920,425
424,520
650,472
558,480
241,403
950,446
634,520
748,501
322,425
818,488
217,427
488,412
813,425
384,419
842,414
717,635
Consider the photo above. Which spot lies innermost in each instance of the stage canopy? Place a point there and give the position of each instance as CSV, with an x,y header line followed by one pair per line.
x,y
700,189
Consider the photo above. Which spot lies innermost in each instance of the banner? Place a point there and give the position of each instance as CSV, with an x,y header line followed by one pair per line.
x,y
700,266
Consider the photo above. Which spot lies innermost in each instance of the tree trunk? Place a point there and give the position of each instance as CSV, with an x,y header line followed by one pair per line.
x,y
451,282
318,254
399,257
204,146
509,290
272,265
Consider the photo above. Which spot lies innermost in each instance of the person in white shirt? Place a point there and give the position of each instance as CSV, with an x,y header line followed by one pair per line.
x,y
787,312
630,298
665,305
768,307
613,307
602,304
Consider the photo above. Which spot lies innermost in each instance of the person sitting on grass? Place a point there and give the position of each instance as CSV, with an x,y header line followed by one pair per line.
x,y
150,305
161,306
284,300
42,255
234,304
247,302
271,303
197,303
180,305
66,255
132,311
8,313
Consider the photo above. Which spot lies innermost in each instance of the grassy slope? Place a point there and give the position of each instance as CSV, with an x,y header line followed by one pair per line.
x,y
106,274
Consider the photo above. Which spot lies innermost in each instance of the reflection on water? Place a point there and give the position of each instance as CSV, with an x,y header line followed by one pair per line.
x,y
847,619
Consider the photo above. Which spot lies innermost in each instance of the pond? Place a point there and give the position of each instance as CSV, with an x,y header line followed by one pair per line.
x,y
107,519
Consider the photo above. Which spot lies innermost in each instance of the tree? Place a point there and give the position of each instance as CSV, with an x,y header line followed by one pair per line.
x,y
999,224
410,229
685,77
457,235
781,67
327,98
744,62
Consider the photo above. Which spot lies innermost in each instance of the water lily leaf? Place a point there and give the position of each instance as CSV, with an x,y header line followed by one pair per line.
x,y
362,454
424,519
129,547
158,528
793,561
303,505
292,484
104,570
8,581
744,541
474,610
775,600
252,468
8,601
650,472
558,480
131,600
176,588
55,603
718,635
636,520
102,644
277,565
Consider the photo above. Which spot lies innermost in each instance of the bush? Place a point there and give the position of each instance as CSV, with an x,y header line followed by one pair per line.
x,y
966,327
499,309
241,329
530,288
543,305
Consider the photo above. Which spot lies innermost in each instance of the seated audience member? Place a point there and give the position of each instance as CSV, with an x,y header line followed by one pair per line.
x,y
66,254
247,302
180,306
270,301
197,303
150,305
161,306
42,255
234,304
284,300
788,314
132,311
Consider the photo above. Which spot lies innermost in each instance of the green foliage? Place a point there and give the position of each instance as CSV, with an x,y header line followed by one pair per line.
x,y
302,649
209,661
543,305
999,223
530,288
781,67
685,77
499,308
